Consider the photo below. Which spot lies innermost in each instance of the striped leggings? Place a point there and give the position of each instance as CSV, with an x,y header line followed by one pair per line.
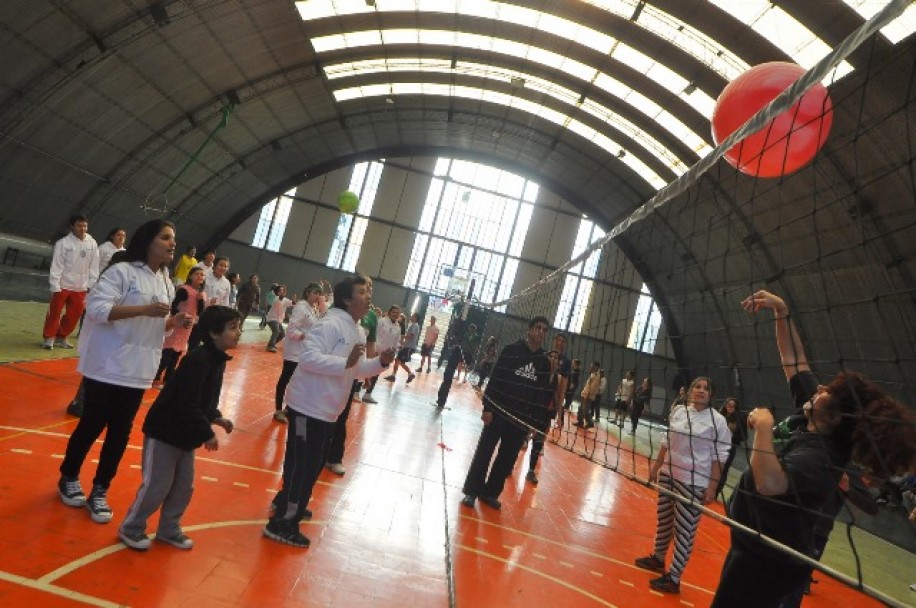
x,y
678,520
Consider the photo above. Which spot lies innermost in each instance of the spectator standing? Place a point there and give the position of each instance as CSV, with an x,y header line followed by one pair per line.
x,y
589,392
624,402
185,263
305,314
411,335
74,270
114,242
249,297
191,299
218,286
389,333
540,431
275,317
641,402
234,279
369,323
430,337
575,373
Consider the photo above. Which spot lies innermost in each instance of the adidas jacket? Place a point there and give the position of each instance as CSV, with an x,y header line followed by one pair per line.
x,y
520,384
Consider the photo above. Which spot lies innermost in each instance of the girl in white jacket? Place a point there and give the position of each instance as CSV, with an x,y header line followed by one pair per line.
x,y
127,316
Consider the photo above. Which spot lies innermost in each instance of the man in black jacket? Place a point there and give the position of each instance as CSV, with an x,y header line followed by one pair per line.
x,y
515,400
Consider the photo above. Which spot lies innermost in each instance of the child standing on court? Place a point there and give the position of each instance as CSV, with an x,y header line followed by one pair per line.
x,y
179,421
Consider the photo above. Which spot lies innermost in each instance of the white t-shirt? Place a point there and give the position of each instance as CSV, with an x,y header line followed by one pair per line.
x,y
431,335
388,334
218,290
277,310
694,439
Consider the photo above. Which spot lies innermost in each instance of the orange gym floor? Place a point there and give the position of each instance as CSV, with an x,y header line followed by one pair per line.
x,y
391,532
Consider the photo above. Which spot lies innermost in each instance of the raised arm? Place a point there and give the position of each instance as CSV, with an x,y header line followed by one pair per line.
x,y
788,341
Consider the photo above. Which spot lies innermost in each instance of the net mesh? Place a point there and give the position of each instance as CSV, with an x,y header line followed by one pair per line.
x,y
835,239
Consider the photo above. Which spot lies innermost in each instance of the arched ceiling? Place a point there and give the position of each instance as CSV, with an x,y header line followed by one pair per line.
x,y
604,101
103,104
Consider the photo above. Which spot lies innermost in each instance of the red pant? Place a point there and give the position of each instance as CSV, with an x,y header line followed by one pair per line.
x,y
55,327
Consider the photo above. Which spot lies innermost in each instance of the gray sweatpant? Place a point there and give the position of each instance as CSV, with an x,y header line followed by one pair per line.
x,y
168,482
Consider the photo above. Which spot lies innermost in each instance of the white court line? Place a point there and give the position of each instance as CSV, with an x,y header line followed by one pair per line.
x,y
55,590
97,555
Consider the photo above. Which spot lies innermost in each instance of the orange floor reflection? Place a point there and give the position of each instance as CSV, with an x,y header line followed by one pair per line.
x,y
390,532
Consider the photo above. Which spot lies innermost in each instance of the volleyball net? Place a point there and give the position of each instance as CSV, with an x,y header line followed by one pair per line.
x,y
660,293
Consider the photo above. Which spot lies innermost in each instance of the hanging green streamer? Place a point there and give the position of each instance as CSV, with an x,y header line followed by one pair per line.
x,y
227,110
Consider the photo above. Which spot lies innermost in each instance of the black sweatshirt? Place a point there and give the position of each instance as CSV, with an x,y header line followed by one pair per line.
x,y
519,384
182,414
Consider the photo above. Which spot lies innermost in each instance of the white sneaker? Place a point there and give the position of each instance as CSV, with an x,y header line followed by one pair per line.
x,y
48,344
62,343
367,398
336,468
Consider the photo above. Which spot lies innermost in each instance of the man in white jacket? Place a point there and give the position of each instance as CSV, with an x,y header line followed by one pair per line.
x,y
333,356
74,269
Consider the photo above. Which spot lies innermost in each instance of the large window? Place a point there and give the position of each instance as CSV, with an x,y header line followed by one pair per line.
x,y
471,231
272,222
646,324
579,280
351,228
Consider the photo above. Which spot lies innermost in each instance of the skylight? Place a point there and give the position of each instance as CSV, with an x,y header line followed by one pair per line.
x,y
548,114
665,77
896,30
782,30
763,16
573,98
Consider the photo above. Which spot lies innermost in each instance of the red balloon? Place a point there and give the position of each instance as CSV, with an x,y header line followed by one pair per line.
x,y
789,141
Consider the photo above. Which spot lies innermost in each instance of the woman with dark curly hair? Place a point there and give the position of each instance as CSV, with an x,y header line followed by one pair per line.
x,y
782,495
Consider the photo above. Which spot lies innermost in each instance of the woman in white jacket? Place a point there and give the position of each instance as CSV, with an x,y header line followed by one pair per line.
x,y
333,356
127,316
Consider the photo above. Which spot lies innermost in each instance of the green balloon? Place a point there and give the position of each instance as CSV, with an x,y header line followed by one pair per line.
x,y
347,202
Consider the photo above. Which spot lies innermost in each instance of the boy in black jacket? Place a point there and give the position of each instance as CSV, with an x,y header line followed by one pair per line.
x,y
179,422
516,399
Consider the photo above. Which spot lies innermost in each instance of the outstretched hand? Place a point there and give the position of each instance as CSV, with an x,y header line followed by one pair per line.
x,y
763,299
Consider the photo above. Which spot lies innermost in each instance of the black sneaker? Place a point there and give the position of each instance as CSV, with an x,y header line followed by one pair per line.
x,y
491,502
285,532
410,378
71,492
468,501
307,514
179,541
75,408
99,509
138,541
650,562
665,584
532,478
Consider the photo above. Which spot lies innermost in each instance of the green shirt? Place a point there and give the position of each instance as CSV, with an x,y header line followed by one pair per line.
x,y
370,323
